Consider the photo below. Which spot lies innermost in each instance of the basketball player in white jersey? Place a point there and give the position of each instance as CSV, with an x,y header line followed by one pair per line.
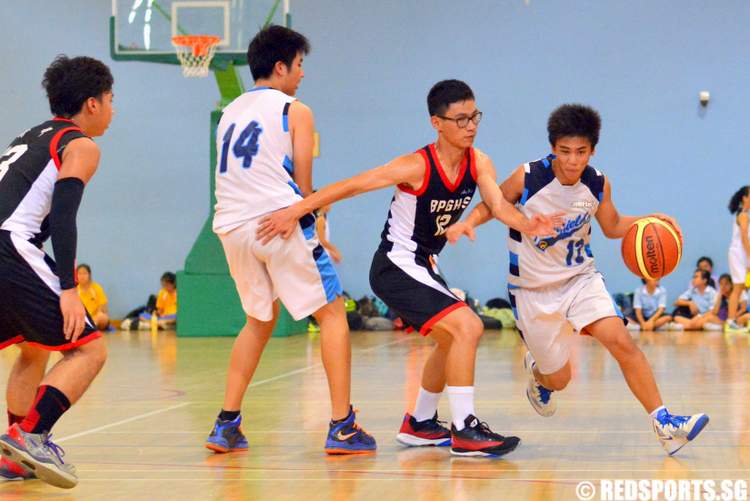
x,y
739,254
433,186
553,285
42,178
265,147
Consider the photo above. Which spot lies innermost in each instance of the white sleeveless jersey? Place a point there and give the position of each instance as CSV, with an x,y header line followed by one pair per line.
x,y
254,168
736,244
547,261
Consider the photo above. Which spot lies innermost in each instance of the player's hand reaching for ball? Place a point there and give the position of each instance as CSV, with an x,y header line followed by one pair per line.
x,y
281,222
542,225
74,314
455,231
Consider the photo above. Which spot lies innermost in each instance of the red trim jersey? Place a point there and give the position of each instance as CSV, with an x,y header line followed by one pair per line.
x,y
417,220
28,172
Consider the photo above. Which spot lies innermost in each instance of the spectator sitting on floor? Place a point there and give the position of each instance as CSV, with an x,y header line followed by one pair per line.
x,y
694,305
706,263
720,310
649,302
166,304
93,297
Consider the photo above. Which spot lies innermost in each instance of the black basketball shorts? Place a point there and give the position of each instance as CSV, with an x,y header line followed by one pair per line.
x,y
30,298
412,287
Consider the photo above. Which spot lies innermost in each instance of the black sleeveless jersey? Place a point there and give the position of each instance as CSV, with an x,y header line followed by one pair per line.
x,y
28,172
417,220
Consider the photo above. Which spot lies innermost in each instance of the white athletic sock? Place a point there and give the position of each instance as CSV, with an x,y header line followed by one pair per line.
x,y
426,406
461,399
656,411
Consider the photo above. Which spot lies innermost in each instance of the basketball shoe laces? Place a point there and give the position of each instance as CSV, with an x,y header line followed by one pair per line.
x,y
356,425
675,421
49,444
485,428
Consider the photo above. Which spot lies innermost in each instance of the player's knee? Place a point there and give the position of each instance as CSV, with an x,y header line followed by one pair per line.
x,y
623,344
95,352
470,330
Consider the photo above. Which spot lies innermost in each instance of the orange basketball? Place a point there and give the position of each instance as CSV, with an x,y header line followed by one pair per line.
x,y
652,248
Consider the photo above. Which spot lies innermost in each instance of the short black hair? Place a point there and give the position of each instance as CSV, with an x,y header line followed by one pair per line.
x,y
725,276
705,275
574,120
271,45
170,278
706,259
69,82
85,267
445,93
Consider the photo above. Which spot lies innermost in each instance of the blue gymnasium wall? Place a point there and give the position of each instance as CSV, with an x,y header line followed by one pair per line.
x,y
641,63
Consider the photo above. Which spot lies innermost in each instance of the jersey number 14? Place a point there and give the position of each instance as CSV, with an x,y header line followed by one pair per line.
x,y
246,146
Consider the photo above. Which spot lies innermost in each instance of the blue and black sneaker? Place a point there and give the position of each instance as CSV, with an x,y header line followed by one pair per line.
x,y
347,437
227,436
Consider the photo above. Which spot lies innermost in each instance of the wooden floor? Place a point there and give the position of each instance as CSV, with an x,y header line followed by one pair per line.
x,y
138,433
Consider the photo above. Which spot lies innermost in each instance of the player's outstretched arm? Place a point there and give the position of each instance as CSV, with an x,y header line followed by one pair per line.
x,y
614,224
79,162
481,213
502,209
407,169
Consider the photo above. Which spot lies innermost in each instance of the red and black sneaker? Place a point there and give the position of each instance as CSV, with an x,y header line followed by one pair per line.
x,y
423,433
476,439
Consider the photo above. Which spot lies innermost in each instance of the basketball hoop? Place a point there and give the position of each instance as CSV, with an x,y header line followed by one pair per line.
x,y
195,53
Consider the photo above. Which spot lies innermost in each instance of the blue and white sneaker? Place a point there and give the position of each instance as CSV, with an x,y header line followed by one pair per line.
x,y
674,432
227,436
347,437
539,396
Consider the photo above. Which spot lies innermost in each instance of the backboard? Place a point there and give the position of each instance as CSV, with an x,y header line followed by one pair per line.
x,y
142,30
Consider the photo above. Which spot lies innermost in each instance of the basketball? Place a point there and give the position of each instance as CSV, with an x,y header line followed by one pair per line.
x,y
651,248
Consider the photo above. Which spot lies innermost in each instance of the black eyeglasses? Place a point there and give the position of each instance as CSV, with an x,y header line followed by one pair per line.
x,y
463,122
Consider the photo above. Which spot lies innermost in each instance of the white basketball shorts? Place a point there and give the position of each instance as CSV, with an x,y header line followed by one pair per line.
x,y
548,317
297,270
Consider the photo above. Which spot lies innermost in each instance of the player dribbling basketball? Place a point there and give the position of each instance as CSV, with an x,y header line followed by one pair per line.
x,y
554,287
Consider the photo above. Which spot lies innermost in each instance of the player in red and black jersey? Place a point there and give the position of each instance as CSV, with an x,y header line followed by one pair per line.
x,y
42,176
433,187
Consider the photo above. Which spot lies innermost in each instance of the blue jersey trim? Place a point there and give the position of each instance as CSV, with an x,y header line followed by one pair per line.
x,y
285,117
288,165
539,175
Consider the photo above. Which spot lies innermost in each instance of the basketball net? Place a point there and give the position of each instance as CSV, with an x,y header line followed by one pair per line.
x,y
195,53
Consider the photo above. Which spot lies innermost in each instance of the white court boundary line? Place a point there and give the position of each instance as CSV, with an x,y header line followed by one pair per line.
x,y
183,404
122,421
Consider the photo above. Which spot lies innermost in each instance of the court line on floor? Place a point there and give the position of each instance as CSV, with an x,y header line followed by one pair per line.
x,y
122,421
320,364
183,404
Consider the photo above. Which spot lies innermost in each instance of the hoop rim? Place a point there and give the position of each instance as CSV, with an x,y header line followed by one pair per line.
x,y
195,40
